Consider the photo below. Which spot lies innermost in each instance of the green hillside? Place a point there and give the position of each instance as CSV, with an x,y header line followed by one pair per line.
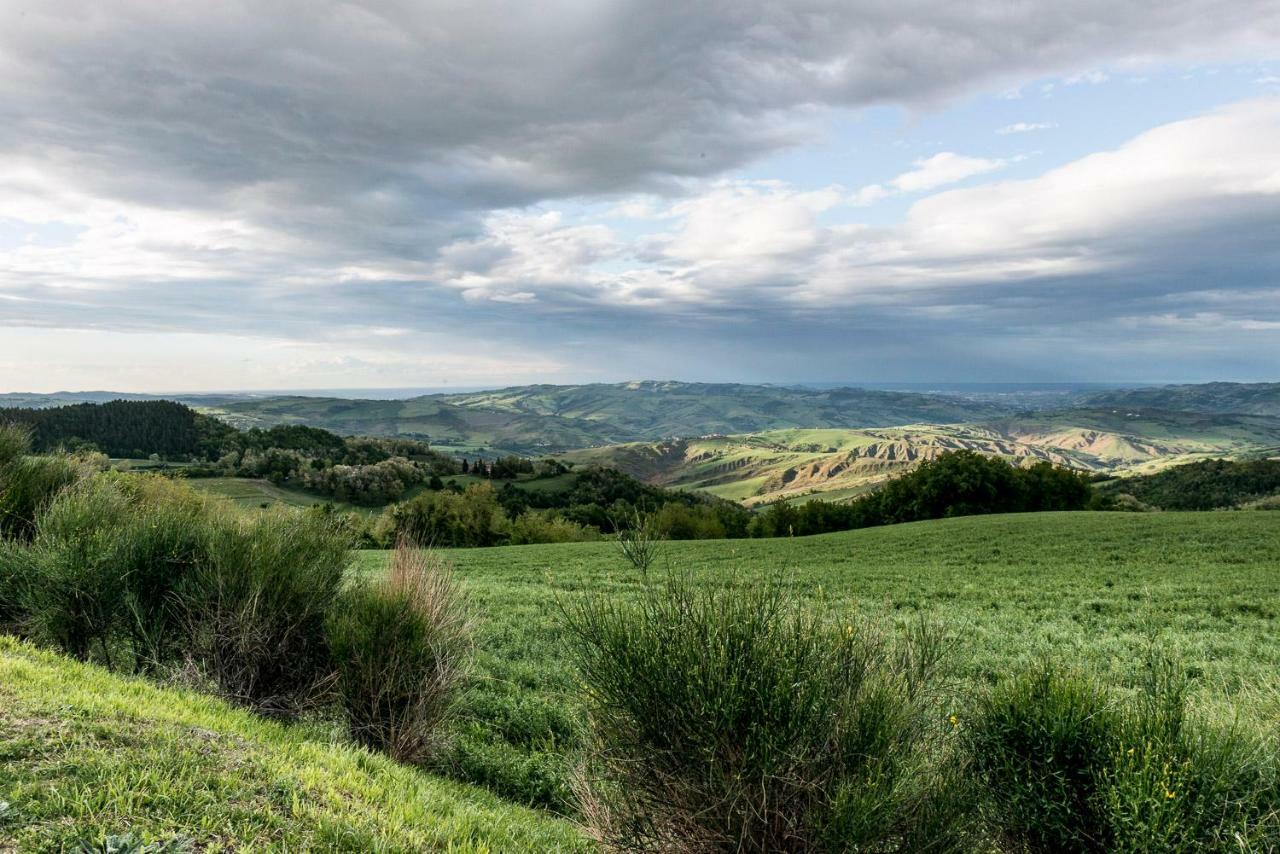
x,y
1093,589
86,756
546,418
837,463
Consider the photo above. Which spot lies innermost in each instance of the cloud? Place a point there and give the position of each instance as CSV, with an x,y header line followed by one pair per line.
x,y
388,129
929,173
1025,127
293,170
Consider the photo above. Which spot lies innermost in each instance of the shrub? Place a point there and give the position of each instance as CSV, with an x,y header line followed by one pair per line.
x,y
15,572
546,526
76,594
728,720
639,540
105,566
400,648
15,442
257,608
448,519
28,484
1070,768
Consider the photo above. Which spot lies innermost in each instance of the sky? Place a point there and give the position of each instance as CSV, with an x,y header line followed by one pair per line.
x,y
305,195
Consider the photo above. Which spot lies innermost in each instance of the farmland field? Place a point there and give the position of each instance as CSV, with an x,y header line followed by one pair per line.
x,y
1093,589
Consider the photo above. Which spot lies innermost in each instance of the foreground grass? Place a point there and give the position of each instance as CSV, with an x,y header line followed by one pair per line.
x,y
1090,589
85,756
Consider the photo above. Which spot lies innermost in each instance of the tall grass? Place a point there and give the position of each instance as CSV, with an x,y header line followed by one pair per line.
x,y
730,720
400,647
257,607
1071,767
15,570
29,483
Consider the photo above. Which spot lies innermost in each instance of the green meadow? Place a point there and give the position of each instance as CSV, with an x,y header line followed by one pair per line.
x,y
1096,590
90,758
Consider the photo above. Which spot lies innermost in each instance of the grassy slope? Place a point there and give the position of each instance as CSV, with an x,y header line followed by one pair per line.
x,y
1081,587
84,755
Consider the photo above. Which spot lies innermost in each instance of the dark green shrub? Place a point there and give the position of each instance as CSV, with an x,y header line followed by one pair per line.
x,y
257,607
1068,767
105,566
400,648
76,597
729,720
449,519
162,544
15,442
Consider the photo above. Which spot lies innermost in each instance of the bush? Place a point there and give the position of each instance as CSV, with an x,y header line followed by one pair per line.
x,y
448,519
400,648
728,720
28,484
106,564
15,572
76,595
257,608
1070,768
546,526
639,540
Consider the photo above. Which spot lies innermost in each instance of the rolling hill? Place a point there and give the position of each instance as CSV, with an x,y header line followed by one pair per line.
x,y
545,418
1246,398
761,467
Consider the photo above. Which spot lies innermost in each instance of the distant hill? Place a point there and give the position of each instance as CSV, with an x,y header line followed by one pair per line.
x,y
842,463
549,418
1245,398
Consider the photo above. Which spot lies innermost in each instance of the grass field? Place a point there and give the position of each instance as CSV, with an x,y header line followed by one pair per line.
x,y
254,492
1092,589
85,755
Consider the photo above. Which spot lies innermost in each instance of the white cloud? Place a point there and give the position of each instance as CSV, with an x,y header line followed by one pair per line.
x,y
929,173
1093,77
1025,127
